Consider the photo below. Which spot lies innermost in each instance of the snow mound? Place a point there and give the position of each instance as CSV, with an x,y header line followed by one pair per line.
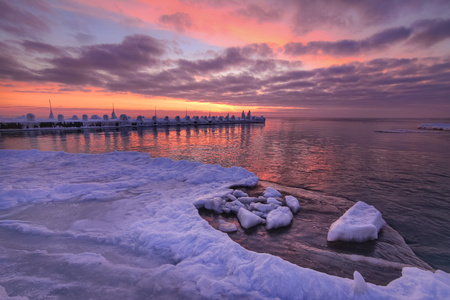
x,y
360,223
280,217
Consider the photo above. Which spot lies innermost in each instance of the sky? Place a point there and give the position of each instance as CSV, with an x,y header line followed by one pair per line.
x,y
286,58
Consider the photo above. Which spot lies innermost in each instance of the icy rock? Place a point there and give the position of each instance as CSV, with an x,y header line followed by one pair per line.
x,y
360,223
248,219
271,192
239,193
265,208
247,200
273,200
231,197
233,206
227,227
280,217
359,284
293,204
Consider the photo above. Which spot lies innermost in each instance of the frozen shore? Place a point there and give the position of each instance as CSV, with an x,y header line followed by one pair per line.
x,y
123,225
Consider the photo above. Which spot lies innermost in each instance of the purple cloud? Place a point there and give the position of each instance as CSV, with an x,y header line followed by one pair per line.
x,y
16,20
377,41
180,21
430,32
260,14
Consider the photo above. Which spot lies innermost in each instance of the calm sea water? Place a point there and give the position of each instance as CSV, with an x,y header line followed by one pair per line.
x,y
405,174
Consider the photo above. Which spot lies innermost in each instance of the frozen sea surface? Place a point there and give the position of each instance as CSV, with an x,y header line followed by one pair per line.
x,y
123,225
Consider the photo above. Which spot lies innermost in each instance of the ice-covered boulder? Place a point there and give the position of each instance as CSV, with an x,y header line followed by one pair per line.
x,y
271,192
248,219
360,223
293,204
280,217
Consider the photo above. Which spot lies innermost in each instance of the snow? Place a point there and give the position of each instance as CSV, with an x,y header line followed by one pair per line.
x,y
293,204
271,192
360,223
280,217
123,225
248,219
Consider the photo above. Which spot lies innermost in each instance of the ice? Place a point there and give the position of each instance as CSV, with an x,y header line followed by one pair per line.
x,y
359,224
239,193
138,235
293,204
265,208
271,192
247,200
227,227
280,217
359,284
248,219
435,126
273,200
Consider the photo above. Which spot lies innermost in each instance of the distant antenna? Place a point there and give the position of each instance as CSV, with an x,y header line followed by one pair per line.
x,y
51,116
186,111
113,114
155,110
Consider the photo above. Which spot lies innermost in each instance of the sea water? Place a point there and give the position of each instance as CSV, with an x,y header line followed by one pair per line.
x,y
388,163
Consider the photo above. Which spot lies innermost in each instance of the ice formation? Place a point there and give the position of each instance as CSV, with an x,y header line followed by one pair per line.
x,y
280,217
360,223
271,192
248,219
292,203
435,126
122,225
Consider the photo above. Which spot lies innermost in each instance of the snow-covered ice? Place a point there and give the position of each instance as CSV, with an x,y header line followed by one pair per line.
x,y
248,219
122,225
359,224
271,192
293,204
280,217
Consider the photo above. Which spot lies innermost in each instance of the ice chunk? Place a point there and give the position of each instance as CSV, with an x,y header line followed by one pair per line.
x,y
239,193
359,224
265,208
233,206
273,200
359,284
280,217
231,197
227,227
248,219
247,200
292,203
215,204
271,192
